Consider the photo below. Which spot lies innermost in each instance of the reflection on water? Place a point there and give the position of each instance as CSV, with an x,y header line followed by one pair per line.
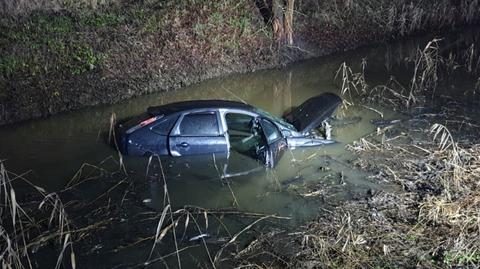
x,y
55,148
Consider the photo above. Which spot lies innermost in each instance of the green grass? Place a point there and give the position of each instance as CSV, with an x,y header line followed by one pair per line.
x,y
154,23
83,59
37,29
101,20
11,64
461,259
45,43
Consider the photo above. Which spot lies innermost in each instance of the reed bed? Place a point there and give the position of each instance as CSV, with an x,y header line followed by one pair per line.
x,y
432,222
25,228
397,18
431,158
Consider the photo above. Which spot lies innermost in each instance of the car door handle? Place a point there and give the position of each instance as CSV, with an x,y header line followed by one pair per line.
x,y
183,145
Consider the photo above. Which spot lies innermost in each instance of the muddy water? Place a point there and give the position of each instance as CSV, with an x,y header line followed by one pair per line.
x,y
52,150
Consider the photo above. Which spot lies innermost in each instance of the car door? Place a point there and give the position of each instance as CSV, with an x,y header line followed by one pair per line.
x,y
277,144
197,133
159,131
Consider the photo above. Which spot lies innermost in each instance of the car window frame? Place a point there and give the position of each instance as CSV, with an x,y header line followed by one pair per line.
x,y
274,126
159,121
226,112
223,113
176,128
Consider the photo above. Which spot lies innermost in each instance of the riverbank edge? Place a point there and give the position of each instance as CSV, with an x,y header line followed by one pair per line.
x,y
27,98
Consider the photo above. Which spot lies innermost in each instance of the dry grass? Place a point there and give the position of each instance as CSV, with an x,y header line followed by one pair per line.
x,y
433,222
20,227
399,17
426,70
351,83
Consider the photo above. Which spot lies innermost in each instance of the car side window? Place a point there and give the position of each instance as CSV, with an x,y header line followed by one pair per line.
x,y
199,124
271,131
164,125
238,122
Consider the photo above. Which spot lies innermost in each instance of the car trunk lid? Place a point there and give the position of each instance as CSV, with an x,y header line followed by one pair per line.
x,y
313,112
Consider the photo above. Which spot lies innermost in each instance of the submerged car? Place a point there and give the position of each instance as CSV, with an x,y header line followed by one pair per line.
x,y
219,126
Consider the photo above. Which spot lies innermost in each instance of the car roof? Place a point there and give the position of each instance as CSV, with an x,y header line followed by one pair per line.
x,y
196,104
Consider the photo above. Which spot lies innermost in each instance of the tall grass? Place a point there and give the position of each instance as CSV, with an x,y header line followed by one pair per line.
x,y
451,181
18,226
426,70
432,65
351,81
397,18
161,232
14,252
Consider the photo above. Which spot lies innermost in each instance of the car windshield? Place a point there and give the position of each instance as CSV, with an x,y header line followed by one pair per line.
x,y
275,119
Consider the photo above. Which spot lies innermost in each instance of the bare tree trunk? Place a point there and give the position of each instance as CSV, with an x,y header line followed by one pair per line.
x,y
277,22
289,22
279,15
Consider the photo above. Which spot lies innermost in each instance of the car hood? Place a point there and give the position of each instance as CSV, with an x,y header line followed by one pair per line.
x,y
313,112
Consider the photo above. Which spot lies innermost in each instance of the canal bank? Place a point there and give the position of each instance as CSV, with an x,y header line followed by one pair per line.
x,y
69,57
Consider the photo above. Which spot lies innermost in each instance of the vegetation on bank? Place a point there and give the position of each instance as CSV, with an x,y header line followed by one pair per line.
x,y
433,156
71,43
95,53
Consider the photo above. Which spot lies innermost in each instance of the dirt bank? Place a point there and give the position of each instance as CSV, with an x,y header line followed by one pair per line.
x,y
54,61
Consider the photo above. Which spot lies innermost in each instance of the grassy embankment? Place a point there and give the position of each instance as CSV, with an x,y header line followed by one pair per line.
x,y
64,60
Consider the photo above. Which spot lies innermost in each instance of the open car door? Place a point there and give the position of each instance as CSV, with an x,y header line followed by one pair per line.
x,y
255,138
276,143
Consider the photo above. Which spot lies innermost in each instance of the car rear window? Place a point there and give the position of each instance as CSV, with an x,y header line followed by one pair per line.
x,y
199,124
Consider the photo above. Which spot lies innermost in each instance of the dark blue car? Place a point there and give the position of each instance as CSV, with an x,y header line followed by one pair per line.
x,y
218,126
